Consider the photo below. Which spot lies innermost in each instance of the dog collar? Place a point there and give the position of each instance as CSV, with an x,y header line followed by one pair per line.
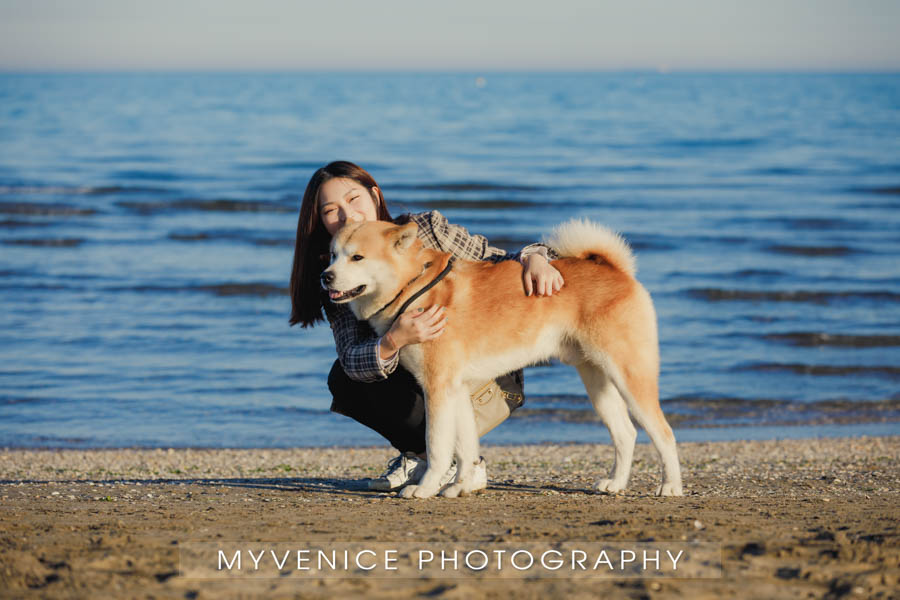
x,y
416,296
433,283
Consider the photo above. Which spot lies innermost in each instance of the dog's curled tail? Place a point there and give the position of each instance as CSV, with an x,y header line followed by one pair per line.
x,y
580,238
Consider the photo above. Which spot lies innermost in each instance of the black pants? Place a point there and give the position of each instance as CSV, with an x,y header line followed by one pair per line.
x,y
395,407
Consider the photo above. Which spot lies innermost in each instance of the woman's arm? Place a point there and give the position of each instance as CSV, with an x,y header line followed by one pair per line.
x,y
358,348
437,232
538,275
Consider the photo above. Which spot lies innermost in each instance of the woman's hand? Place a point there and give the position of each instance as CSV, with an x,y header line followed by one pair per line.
x,y
540,276
413,327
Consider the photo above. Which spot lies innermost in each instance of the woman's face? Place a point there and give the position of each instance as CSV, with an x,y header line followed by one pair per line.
x,y
344,200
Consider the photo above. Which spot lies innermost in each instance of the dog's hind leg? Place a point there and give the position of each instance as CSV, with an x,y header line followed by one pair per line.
x,y
467,453
641,393
612,410
440,438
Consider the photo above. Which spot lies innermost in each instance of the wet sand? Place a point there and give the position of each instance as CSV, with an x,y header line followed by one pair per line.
x,y
794,518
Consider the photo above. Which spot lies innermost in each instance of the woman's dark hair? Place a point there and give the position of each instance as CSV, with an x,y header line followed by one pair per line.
x,y
311,245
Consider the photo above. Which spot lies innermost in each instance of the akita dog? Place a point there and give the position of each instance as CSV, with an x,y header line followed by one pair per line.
x,y
602,322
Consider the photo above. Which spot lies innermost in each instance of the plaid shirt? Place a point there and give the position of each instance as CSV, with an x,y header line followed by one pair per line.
x,y
358,345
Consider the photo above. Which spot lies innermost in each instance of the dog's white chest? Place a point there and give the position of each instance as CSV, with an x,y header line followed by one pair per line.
x,y
412,359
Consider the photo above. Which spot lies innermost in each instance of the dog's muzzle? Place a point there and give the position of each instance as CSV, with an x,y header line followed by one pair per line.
x,y
337,296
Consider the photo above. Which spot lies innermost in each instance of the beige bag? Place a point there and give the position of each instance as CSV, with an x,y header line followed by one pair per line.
x,y
490,406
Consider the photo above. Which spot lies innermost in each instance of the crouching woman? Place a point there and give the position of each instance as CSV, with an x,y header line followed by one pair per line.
x,y
367,382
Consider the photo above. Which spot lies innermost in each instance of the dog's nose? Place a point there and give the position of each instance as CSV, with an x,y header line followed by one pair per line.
x,y
327,277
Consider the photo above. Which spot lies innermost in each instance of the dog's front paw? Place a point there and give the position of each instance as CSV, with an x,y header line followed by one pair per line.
x,y
408,491
452,491
416,491
669,489
610,486
423,491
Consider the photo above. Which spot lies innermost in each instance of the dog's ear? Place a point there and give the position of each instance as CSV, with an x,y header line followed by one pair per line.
x,y
404,236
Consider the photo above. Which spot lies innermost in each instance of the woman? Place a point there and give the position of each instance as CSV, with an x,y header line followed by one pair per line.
x,y
366,381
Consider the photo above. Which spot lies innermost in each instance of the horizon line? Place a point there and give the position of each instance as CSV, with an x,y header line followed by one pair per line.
x,y
461,71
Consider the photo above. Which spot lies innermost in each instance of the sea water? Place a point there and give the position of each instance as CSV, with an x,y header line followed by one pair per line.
x,y
147,226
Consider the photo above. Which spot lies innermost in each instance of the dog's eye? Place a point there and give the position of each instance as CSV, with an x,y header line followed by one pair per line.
x,y
357,257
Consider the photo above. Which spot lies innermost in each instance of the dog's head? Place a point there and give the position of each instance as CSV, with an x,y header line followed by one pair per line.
x,y
370,263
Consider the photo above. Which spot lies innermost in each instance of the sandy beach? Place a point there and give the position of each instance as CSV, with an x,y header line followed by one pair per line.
x,y
795,518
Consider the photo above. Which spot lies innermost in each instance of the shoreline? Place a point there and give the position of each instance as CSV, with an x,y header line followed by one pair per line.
x,y
792,517
596,432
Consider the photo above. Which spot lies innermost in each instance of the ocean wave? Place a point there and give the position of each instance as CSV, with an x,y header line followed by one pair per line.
x,y
813,250
465,186
213,205
274,411
62,190
477,204
143,174
810,223
815,297
701,411
42,209
891,190
238,236
221,289
46,242
889,371
280,165
13,224
710,143
783,171
814,339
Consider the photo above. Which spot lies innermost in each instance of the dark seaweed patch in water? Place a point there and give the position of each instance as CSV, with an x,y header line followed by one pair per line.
x,y
8,401
813,339
704,411
12,224
47,243
822,370
287,165
710,143
650,243
43,209
53,442
466,186
74,191
230,236
812,223
282,242
36,287
147,175
221,205
813,250
482,204
221,289
721,295
190,237
122,189
757,274
750,273
244,289
779,171
887,190
895,205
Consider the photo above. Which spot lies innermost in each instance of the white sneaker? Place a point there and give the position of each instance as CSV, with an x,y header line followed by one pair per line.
x,y
479,475
401,471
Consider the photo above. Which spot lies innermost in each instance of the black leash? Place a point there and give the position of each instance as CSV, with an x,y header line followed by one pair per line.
x,y
416,296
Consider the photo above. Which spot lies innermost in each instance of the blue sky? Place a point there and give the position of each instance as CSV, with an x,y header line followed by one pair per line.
x,y
483,35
